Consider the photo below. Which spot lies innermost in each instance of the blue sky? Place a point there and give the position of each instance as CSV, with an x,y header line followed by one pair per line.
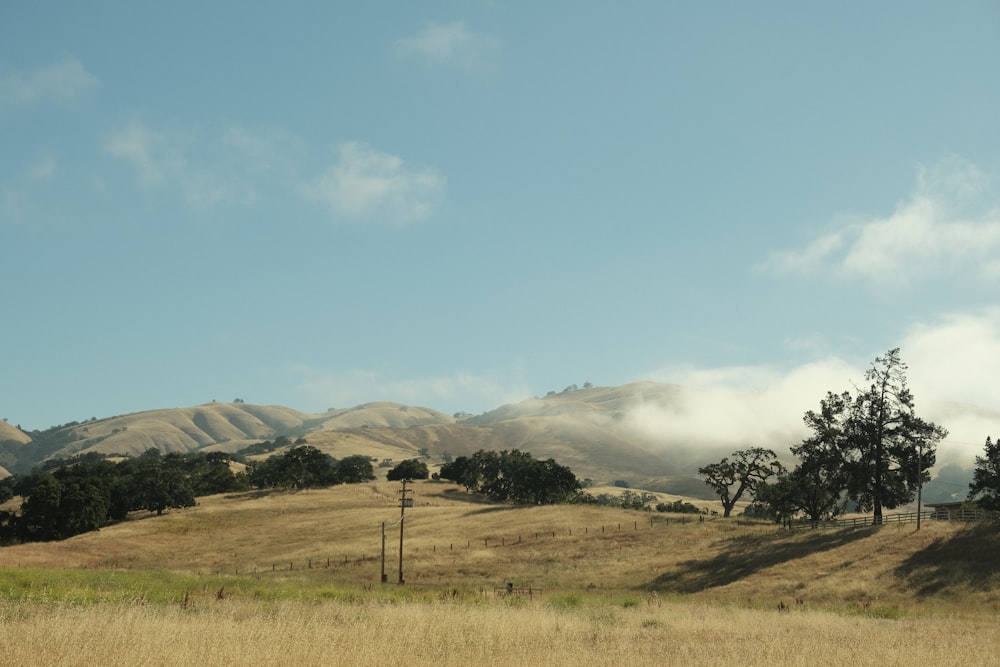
x,y
462,204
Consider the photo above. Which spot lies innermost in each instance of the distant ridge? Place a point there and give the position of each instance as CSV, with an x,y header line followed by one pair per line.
x,y
602,433
585,429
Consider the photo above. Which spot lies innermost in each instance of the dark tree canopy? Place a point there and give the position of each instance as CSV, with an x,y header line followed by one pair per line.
x,y
68,497
985,486
513,476
300,467
743,473
462,470
354,470
408,469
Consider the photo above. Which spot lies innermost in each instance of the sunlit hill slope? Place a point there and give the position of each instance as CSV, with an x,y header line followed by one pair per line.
x,y
585,429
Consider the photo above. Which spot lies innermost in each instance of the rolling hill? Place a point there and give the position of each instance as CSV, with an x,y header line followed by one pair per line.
x,y
599,432
586,429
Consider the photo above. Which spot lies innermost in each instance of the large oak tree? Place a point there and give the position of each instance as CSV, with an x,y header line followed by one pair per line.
x,y
871,443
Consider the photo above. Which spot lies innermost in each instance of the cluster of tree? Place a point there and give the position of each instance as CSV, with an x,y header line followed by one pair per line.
x,y
629,500
570,388
513,477
868,447
65,498
266,446
305,467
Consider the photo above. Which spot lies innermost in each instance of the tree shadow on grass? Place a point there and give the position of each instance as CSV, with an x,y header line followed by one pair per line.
x,y
966,559
747,555
490,510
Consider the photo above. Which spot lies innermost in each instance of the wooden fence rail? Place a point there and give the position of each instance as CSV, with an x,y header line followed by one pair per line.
x,y
940,514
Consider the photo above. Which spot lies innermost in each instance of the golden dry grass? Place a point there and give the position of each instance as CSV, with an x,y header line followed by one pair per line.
x,y
616,589
493,633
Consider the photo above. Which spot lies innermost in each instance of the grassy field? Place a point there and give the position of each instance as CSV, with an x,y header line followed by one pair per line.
x,y
294,578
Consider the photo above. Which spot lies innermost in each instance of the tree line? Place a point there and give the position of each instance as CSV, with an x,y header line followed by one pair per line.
x,y
867,449
68,497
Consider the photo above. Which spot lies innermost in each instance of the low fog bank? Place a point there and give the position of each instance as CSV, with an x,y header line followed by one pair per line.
x,y
725,409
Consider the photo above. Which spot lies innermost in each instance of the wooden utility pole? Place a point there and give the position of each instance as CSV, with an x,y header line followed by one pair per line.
x,y
404,502
920,479
384,578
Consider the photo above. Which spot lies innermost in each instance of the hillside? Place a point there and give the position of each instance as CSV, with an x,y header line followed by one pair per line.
x,y
454,539
10,433
586,429
293,578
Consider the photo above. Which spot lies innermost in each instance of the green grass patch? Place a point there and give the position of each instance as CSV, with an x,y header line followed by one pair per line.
x,y
565,601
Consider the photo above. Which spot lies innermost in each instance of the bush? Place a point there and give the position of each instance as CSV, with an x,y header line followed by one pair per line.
x,y
677,507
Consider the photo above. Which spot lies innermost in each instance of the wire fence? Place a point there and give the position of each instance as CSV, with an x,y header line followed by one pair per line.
x,y
737,527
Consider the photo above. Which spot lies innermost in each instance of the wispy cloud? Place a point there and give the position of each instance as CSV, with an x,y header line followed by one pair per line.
x,y
366,184
59,81
44,168
949,226
146,150
21,195
462,391
207,168
449,43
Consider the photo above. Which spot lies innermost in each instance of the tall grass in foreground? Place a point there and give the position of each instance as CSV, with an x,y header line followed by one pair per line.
x,y
492,631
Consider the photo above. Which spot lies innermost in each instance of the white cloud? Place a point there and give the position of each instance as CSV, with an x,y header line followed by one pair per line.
x,y
956,358
449,43
953,362
740,406
59,81
366,184
949,226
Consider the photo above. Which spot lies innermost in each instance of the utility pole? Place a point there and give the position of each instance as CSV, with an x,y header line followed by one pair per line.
x,y
384,578
404,502
920,478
